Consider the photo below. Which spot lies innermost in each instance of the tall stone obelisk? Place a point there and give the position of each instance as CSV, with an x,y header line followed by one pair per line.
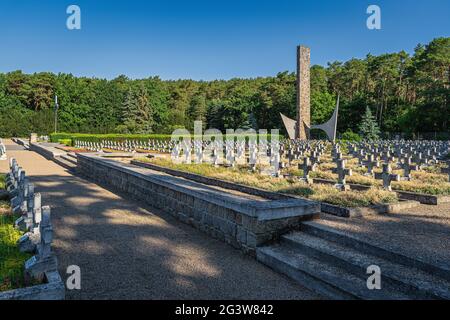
x,y
303,93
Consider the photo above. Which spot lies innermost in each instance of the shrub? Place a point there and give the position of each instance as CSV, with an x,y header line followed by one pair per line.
x,y
351,136
67,142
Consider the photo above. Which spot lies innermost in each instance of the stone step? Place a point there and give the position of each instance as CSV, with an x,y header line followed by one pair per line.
x,y
72,155
325,232
64,163
414,282
70,159
331,281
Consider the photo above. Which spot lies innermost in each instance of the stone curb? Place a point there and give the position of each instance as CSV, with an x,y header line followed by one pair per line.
x,y
363,211
52,290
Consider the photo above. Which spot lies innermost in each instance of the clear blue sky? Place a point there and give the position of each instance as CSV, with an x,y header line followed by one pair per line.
x,y
198,39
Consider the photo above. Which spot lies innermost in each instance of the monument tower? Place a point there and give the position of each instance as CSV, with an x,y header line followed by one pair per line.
x,y
300,128
303,93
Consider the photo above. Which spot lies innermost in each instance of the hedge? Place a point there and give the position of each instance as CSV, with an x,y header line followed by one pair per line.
x,y
56,137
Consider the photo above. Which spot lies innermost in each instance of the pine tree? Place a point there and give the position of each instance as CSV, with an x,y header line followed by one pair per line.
x,y
368,128
137,114
197,110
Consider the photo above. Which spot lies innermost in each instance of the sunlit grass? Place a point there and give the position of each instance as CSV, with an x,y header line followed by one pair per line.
x,y
423,181
11,259
2,181
317,192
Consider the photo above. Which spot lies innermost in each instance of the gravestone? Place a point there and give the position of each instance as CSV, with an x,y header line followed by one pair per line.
x,y
44,260
370,163
342,172
407,167
307,167
387,176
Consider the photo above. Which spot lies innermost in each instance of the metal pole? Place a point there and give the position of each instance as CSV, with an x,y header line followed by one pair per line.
x,y
56,114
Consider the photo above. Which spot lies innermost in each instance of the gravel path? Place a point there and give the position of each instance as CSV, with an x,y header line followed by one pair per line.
x,y
423,231
128,251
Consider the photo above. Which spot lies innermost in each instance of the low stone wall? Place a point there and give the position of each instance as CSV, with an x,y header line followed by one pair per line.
x,y
243,222
21,142
48,152
213,181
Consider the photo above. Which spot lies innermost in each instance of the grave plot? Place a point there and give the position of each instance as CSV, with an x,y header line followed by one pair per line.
x,y
354,175
111,146
412,175
291,186
349,175
28,268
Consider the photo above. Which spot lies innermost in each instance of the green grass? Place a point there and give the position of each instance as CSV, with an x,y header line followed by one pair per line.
x,y
428,181
11,259
324,193
2,181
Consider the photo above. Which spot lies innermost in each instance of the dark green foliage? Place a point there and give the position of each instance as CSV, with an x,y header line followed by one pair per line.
x,y
137,115
351,136
368,127
406,93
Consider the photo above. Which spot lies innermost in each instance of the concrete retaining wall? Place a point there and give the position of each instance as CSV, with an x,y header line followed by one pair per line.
x,y
243,222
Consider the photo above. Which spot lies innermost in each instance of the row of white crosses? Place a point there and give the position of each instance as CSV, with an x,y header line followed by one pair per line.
x,y
421,152
235,153
34,220
2,151
89,145
401,153
370,155
125,145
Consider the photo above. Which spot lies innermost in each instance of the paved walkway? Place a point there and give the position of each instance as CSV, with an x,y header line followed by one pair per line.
x,y
128,251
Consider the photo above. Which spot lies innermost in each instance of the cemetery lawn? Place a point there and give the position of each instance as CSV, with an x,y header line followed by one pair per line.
x,y
317,192
428,181
11,259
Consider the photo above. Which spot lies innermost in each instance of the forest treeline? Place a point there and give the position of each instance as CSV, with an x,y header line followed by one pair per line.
x,y
406,93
